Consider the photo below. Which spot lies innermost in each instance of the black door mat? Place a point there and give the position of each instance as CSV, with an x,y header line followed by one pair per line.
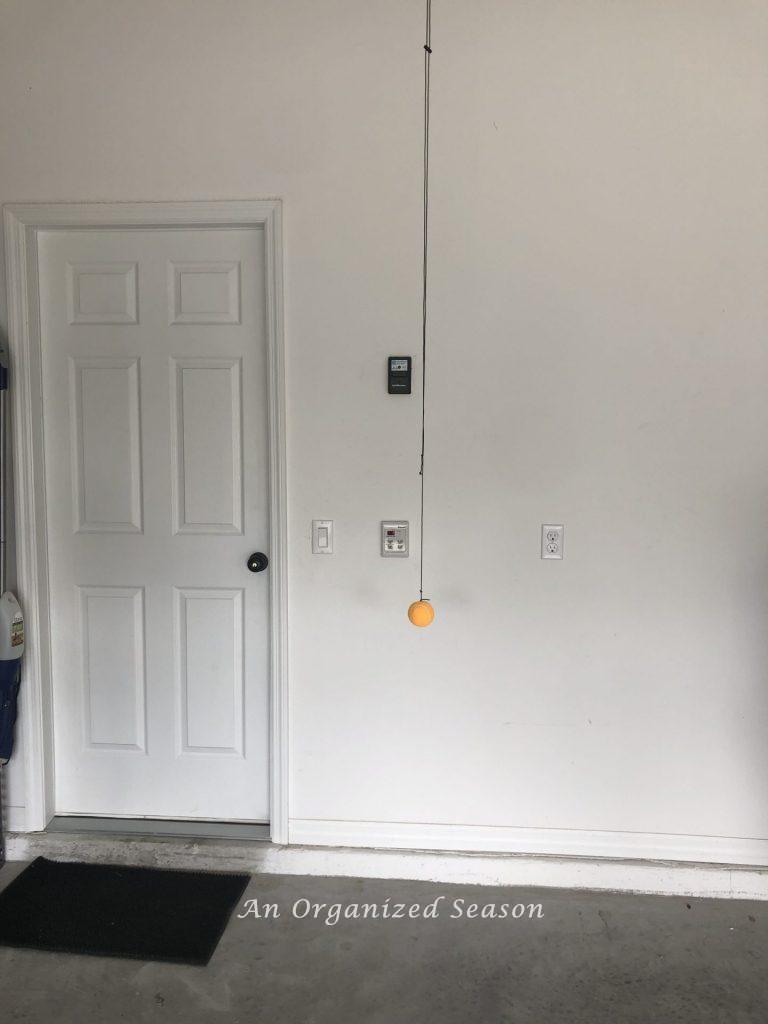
x,y
112,910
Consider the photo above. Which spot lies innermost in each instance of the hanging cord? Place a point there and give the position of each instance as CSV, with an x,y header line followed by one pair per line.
x,y
427,68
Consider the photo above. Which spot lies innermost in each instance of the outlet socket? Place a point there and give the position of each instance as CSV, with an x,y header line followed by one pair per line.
x,y
552,538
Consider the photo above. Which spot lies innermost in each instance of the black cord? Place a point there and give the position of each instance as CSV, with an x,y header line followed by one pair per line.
x,y
427,59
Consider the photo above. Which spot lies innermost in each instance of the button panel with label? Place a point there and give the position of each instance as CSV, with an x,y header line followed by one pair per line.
x,y
399,375
394,538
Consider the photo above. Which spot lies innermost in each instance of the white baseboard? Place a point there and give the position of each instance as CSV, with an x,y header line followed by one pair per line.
x,y
537,841
15,819
497,869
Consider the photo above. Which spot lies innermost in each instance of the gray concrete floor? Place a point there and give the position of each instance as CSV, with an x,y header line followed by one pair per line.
x,y
592,959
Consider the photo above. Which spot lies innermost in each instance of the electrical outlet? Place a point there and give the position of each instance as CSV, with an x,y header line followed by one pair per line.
x,y
552,541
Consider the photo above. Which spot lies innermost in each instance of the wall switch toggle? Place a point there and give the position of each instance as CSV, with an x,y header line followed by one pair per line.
x,y
394,539
552,541
322,536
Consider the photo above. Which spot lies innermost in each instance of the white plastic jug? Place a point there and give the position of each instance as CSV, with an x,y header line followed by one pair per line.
x,y
11,628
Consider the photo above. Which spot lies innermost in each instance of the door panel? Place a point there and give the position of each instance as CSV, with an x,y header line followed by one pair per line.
x,y
154,393
210,661
207,460
104,406
114,657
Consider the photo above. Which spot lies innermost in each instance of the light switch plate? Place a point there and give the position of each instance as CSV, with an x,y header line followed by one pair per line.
x,y
552,537
322,536
394,538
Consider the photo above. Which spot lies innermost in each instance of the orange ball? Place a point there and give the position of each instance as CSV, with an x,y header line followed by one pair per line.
x,y
421,613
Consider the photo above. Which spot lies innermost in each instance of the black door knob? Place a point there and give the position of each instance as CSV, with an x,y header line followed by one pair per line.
x,y
258,562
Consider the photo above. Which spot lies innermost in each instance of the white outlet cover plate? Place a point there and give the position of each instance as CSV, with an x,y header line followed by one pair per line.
x,y
552,539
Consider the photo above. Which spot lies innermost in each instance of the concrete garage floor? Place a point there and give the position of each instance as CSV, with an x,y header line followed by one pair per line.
x,y
591,959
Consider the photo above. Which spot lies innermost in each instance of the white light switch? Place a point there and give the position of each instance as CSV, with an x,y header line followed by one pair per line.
x,y
394,539
322,536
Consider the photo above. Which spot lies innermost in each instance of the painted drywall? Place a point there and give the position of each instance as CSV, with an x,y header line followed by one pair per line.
x,y
598,359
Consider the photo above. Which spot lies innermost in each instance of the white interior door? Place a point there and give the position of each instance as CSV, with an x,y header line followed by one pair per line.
x,y
156,450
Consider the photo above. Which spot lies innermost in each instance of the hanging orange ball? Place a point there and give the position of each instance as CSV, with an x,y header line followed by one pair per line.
x,y
421,613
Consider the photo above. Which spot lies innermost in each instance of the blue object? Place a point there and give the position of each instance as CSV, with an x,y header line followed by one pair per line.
x,y
10,680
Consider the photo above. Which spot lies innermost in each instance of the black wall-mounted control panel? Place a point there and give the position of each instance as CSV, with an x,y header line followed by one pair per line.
x,y
399,375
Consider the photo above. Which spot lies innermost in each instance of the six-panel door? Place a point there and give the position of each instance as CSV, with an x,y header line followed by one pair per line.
x,y
154,393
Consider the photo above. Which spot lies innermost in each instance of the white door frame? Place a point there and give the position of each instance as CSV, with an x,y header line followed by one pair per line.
x,y
23,222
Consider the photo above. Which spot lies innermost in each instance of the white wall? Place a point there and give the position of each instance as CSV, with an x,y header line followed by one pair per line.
x,y
598,358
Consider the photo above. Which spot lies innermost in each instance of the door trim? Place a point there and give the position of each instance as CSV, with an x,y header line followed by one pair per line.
x,y
23,222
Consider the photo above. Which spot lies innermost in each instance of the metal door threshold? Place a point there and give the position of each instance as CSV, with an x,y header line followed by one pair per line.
x,y
155,827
